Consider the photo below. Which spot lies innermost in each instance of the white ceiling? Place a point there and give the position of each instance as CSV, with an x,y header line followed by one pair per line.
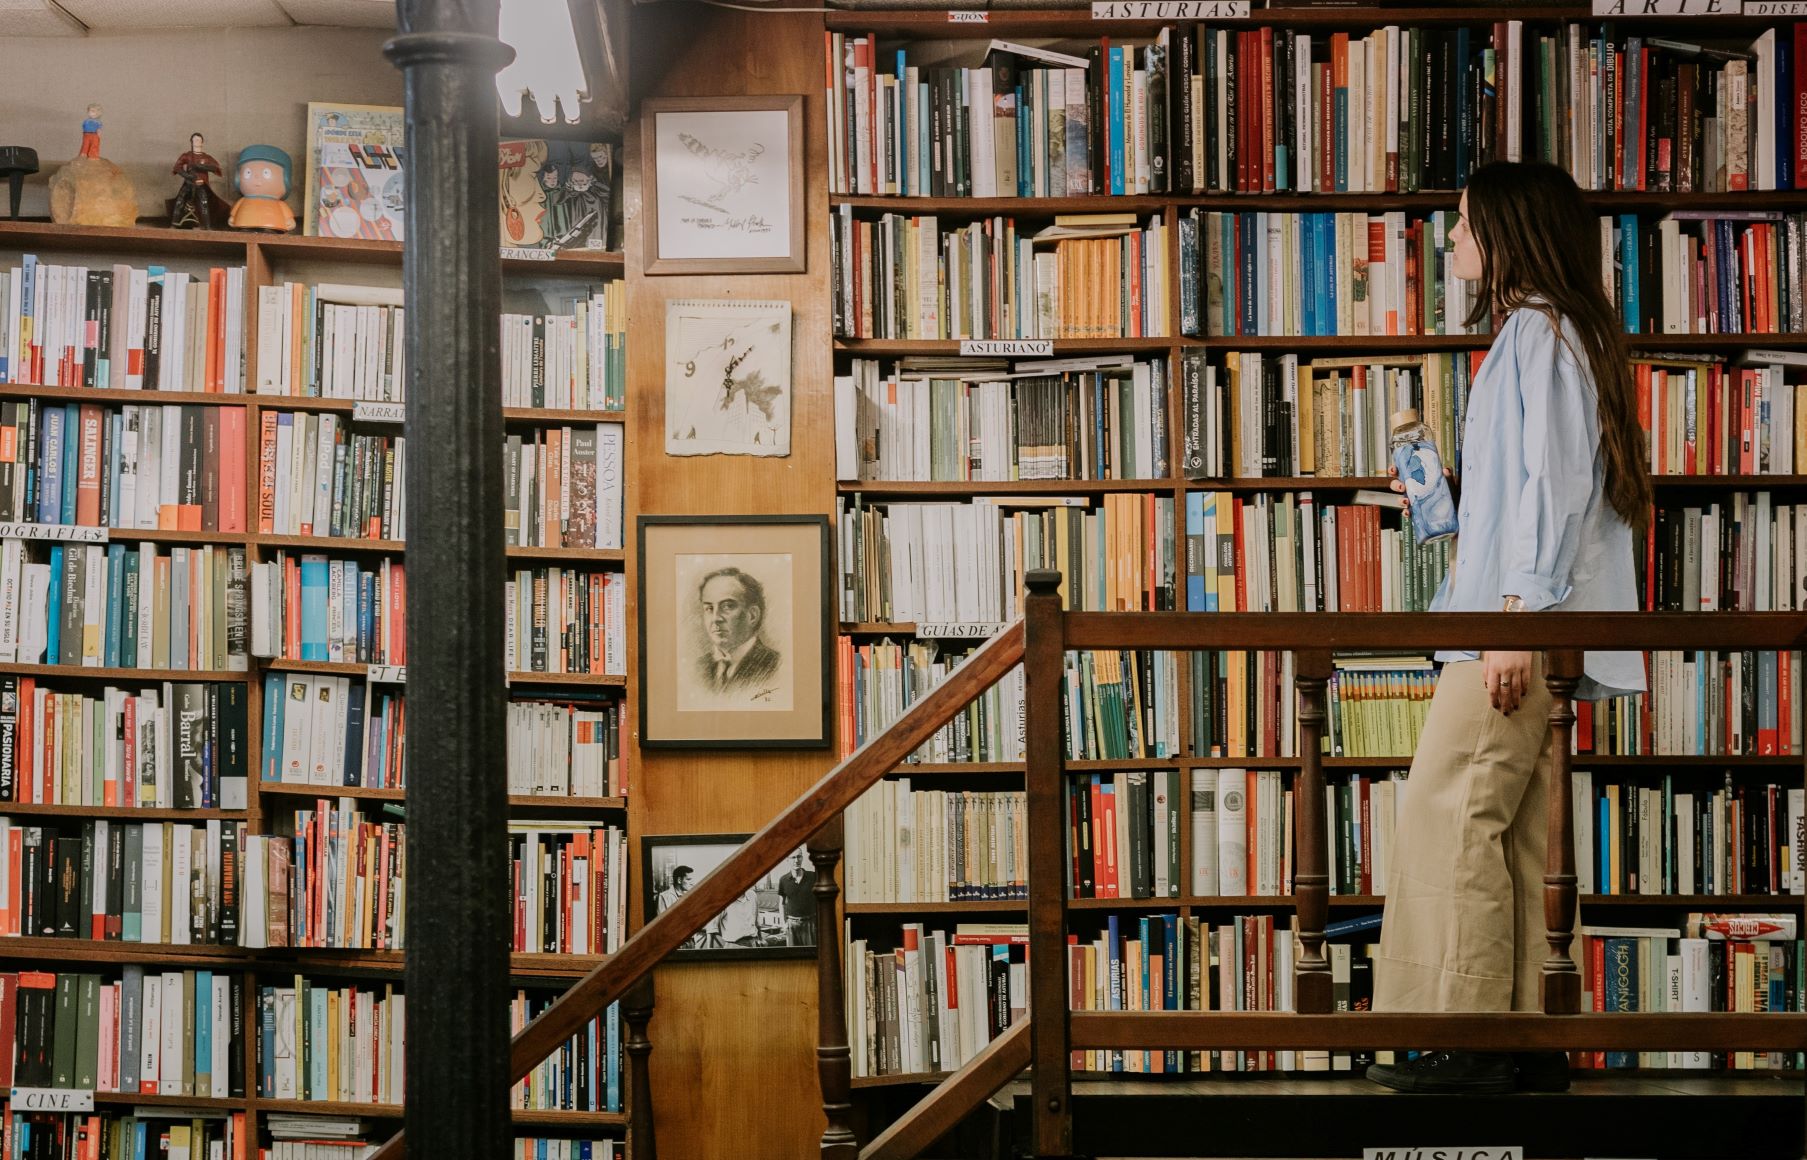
x,y
75,17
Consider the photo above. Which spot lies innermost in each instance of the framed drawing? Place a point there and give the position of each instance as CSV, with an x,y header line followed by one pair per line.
x,y
776,919
734,632
724,184
355,157
727,378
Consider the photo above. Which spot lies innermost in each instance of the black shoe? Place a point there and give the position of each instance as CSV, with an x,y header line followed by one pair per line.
x,y
1542,1071
1479,1073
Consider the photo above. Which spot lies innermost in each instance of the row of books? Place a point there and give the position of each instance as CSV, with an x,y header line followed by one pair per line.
x,y
1737,838
1118,705
561,1148
1294,553
178,745
1085,276
1205,110
316,477
1095,418
347,881
144,1133
324,730
119,606
1744,963
926,845
123,327
1718,704
309,607
1706,271
1276,273
180,468
1123,834
335,341
340,1044
564,488
1243,704
583,1075
964,563
931,1004
140,882
1702,417
566,620
566,748
1745,553
569,888
171,1033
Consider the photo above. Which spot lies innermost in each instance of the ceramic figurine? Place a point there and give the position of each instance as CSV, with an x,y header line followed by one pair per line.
x,y
196,206
90,190
263,181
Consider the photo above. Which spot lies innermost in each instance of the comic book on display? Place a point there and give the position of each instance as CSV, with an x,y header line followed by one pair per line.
x,y
555,194
354,171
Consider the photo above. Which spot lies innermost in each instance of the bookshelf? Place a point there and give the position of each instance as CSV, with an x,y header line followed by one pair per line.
x,y
271,804
871,97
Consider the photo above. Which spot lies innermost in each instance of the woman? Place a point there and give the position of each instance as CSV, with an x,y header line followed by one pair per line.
x,y
1553,483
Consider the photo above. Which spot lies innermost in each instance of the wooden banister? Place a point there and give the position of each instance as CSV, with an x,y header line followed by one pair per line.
x,y
1046,795
1560,983
1311,885
825,800
834,1063
936,1114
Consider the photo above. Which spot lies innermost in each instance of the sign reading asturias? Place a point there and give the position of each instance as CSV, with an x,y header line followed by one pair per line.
x,y
1170,10
1006,347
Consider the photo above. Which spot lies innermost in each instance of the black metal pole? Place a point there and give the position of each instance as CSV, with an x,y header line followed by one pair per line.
x,y
457,879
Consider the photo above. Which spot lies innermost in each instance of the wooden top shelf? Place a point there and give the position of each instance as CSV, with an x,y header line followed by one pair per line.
x,y
933,24
1063,347
517,803
1615,200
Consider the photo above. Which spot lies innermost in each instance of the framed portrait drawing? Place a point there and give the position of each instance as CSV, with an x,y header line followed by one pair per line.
x,y
775,919
723,189
735,648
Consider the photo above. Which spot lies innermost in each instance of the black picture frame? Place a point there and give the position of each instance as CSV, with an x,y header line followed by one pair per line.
x,y
684,707
757,925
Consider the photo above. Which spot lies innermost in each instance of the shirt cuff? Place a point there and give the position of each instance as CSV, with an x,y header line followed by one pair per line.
x,y
1538,592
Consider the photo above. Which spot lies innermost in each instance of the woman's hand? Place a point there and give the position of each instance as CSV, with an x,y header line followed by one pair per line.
x,y
1394,483
1507,676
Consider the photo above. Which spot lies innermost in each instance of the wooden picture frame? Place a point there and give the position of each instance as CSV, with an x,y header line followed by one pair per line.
x,y
722,189
775,919
736,647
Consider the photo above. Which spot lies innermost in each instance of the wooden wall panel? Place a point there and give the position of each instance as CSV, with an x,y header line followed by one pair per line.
x,y
733,1060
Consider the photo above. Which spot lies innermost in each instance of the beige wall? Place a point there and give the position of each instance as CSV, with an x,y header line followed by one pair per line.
x,y
237,87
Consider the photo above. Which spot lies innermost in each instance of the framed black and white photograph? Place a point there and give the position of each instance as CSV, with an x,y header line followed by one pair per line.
x,y
723,184
776,919
734,633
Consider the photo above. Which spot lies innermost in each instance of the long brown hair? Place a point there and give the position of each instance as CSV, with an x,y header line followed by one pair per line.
x,y
1540,248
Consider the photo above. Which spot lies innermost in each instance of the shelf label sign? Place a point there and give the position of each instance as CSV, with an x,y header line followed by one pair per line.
x,y
1170,9
386,674
1006,347
1680,7
951,631
1418,1152
63,533
366,411
53,1099
523,254
1775,8
967,16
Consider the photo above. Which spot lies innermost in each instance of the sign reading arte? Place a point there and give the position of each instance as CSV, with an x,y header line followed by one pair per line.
x,y
1700,7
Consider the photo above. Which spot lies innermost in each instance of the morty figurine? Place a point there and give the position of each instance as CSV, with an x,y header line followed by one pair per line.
x,y
263,181
196,205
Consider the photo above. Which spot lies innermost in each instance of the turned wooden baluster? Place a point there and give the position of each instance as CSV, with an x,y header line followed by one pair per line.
x,y
637,1012
1311,881
834,1063
1561,982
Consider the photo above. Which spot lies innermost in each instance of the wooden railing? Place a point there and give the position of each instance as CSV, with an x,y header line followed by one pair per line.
x,y
1043,1041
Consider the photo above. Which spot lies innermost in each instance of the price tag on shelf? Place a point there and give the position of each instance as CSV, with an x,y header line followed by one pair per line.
x,y
367,411
1006,347
967,16
523,254
31,1099
386,674
951,631
63,533
1170,9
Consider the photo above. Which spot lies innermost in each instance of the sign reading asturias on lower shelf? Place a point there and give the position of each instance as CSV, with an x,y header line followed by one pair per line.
x,y
951,631
31,1099
386,674
68,533
369,411
1170,9
1006,347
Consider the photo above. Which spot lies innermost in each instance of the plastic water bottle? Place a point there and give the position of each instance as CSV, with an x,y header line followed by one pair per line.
x,y
1420,469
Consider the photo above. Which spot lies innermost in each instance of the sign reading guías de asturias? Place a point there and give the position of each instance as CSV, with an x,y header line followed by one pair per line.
x,y
1170,10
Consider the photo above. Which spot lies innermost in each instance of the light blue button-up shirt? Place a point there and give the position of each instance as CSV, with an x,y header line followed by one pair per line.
x,y
1534,518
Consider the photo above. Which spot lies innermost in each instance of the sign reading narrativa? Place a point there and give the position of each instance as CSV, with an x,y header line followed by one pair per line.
x,y
1171,10
1421,1153
1442,1153
1669,7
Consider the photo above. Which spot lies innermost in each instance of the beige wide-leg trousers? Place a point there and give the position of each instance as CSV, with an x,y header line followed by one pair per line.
x,y
1464,927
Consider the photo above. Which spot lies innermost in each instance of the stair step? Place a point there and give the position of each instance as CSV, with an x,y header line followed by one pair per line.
x,y
1674,1116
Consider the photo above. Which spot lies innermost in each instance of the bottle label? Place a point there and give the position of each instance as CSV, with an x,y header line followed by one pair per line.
x,y
1433,508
